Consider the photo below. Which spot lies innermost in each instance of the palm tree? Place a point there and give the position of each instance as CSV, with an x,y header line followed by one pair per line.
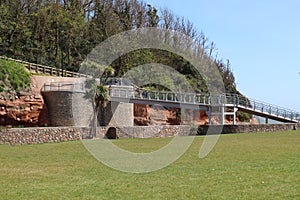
x,y
97,91
108,72
101,98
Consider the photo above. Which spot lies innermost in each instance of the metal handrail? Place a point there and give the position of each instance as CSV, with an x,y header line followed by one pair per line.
x,y
190,98
262,107
64,86
210,100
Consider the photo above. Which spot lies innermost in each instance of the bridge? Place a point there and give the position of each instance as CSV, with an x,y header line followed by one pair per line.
x,y
213,104
221,104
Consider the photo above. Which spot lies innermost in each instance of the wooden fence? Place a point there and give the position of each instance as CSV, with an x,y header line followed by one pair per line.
x,y
42,69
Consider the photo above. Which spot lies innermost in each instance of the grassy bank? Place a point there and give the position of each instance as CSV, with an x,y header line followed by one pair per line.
x,y
245,166
13,77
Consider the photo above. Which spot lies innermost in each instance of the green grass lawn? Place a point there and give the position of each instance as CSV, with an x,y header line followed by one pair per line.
x,y
241,166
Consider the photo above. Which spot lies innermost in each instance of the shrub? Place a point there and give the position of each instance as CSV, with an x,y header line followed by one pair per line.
x,y
13,77
244,117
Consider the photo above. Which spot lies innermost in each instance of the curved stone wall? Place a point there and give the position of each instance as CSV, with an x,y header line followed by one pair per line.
x,y
71,108
68,108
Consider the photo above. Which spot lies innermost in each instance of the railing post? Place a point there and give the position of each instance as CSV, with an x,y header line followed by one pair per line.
x,y
140,93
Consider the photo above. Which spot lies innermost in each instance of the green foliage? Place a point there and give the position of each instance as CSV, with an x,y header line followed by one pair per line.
x,y
101,95
181,75
63,33
13,77
244,117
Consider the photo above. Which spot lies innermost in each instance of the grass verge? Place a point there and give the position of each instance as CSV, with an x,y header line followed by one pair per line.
x,y
241,166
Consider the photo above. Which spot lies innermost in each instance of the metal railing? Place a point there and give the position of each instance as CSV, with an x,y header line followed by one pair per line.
x,y
69,87
210,100
189,98
42,69
262,107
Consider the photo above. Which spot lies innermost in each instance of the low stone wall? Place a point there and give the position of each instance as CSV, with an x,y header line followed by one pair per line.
x,y
258,128
16,136
20,136
153,131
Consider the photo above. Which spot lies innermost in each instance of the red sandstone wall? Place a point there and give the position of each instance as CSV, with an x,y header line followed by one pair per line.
x,y
145,115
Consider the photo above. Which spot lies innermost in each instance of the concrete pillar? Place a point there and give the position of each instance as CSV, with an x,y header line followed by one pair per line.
x,y
117,114
209,117
234,115
222,121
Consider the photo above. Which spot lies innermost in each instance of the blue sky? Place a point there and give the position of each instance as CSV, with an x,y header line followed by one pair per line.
x,y
261,38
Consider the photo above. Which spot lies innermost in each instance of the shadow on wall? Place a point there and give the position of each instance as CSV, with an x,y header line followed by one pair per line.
x,y
111,133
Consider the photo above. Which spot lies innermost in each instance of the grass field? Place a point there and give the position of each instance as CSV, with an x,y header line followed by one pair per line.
x,y
241,166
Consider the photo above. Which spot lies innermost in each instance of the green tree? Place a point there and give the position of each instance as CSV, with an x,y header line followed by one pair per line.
x,y
62,33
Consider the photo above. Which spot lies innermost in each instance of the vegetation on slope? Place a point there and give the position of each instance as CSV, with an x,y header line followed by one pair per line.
x,y
63,33
13,77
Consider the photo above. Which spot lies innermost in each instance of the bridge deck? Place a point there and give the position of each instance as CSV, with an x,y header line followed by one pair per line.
x,y
205,102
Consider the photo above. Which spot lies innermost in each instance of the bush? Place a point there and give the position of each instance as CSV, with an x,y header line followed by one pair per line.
x,y
13,77
244,117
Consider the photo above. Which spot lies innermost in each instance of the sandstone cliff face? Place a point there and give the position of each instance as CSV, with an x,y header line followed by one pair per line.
x,y
145,115
26,110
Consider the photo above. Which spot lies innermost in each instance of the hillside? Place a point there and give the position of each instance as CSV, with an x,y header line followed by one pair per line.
x,y
63,33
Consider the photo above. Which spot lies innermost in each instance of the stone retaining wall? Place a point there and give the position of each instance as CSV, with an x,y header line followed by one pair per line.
x,y
153,131
22,136
16,136
250,128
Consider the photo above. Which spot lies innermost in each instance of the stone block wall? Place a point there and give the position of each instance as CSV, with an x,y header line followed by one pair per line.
x,y
116,114
20,136
153,131
68,108
252,128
